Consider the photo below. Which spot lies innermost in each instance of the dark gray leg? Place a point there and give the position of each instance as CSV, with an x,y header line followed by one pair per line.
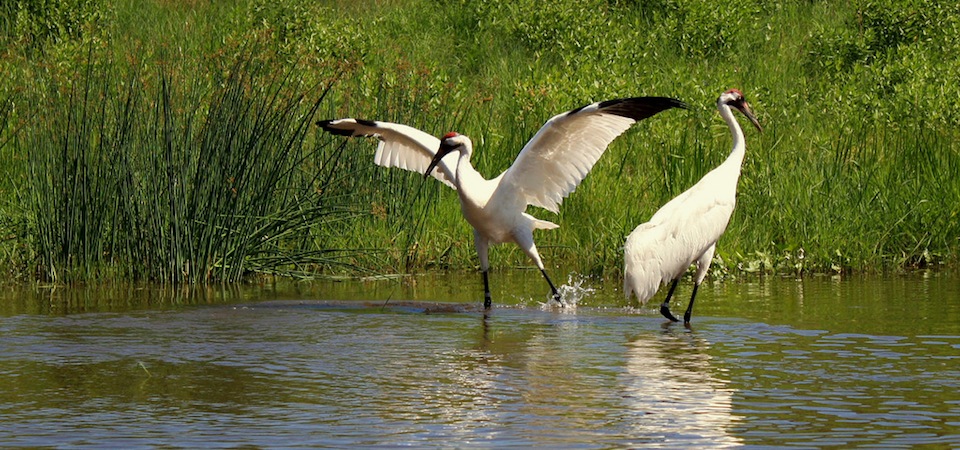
x,y
556,295
686,315
487,299
665,306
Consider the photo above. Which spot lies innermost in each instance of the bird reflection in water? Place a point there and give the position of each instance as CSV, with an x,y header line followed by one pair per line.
x,y
673,393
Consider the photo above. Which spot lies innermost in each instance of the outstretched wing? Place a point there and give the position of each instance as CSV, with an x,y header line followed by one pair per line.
x,y
561,154
400,146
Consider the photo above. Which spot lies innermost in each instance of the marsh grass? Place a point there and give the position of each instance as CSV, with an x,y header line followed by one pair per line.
x,y
184,156
175,184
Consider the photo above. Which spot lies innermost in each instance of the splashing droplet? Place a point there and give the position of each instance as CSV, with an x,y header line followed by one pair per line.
x,y
572,292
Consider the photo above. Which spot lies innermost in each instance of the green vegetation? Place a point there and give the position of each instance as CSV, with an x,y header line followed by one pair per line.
x,y
172,140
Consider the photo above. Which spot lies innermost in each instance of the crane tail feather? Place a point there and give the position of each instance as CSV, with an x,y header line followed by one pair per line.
x,y
544,225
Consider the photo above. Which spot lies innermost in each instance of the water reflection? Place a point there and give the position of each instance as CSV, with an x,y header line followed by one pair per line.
x,y
814,387
912,303
63,300
673,389
558,376
770,363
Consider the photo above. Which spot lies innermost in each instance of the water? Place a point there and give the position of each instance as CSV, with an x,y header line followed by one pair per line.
x,y
855,362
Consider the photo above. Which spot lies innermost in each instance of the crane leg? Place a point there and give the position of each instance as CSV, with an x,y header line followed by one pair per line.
x,y
487,299
524,240
686,315
482,246
556,294
665,306
703,264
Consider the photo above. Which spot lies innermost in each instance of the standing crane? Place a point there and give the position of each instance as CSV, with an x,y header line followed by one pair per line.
x,y
548,168
686,229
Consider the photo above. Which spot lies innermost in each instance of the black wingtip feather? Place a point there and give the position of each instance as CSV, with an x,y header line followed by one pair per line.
x,y
639,108
325,124
329,128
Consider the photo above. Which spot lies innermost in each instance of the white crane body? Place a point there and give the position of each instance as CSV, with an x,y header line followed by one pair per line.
x,y
686,229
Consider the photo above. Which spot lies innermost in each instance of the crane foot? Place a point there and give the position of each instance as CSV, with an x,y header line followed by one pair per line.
x,y
556,298
665,310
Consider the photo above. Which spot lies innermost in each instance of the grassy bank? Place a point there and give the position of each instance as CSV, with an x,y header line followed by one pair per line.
x,y
172,140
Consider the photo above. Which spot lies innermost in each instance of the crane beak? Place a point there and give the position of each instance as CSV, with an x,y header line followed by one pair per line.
x,y
745,109
444,150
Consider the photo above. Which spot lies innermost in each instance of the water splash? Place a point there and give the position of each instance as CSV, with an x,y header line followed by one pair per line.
x,y
572,292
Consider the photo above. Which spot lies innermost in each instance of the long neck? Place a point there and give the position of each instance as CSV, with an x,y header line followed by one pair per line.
x,y
736,155
466,175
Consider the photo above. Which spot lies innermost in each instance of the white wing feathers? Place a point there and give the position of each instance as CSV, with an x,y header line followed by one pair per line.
x,y
561,154
548,168
400,146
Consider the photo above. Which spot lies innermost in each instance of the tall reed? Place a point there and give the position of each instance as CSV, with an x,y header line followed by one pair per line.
x,y
151,180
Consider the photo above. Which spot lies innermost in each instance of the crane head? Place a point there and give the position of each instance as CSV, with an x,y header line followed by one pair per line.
x,y
734,98
450,142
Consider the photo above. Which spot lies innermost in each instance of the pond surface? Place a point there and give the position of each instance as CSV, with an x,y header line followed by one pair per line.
x,y
818,362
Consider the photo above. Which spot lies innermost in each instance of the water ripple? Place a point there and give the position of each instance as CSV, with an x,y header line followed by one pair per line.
x,y
338,374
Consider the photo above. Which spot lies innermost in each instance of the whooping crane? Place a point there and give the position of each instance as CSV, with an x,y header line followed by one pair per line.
x,y
548,168
687,228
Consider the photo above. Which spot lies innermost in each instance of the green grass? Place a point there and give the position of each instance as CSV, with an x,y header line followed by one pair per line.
x,y
172,140
176,183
